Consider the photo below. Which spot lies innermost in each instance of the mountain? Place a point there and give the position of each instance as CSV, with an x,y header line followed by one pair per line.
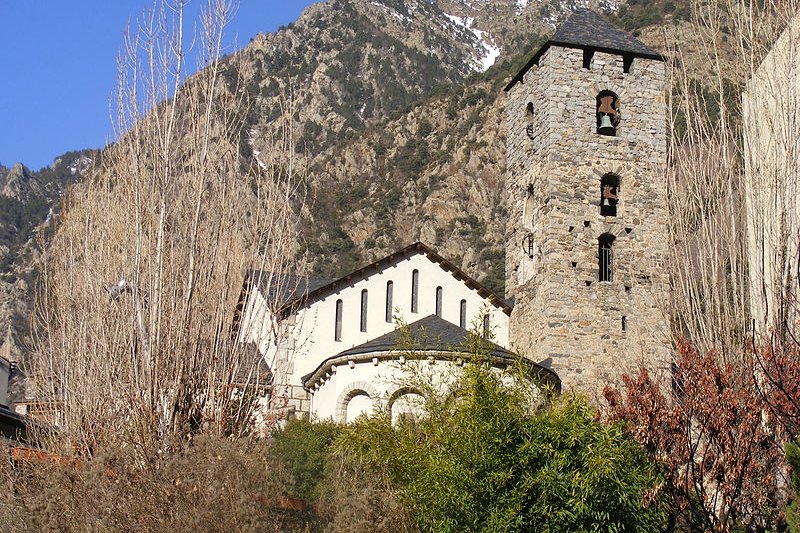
x,y
348,64
28,200
398,105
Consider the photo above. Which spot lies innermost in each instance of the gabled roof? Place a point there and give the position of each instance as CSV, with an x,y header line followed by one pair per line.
x,y
431,334
586,29
296,292
285,288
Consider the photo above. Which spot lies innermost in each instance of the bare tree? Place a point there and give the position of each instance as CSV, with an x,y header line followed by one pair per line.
x,y
722,198
145,269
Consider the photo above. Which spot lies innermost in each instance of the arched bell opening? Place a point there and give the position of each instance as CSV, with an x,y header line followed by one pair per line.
x,y
609,195
607,113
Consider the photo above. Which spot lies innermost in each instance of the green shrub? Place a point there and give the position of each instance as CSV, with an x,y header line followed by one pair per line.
x,y
482,462
302,448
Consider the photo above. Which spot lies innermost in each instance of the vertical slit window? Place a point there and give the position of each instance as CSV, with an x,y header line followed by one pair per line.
x,y
364,310
337,333
414,290
486,326
389,295
439,301
462,315
606,257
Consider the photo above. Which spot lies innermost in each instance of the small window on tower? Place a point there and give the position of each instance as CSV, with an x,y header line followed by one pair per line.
x,y
389,296
364,296
609,195
606,258
529,128
607,113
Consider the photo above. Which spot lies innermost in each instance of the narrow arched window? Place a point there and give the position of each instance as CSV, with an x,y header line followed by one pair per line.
x,y
389,296
607,112
462,315
530,128
486,326
439,301
609,195
364,310
606,257
530,207
414,290
337,332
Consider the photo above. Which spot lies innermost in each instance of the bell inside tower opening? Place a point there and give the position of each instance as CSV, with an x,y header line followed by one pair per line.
x,y
609,195
607,113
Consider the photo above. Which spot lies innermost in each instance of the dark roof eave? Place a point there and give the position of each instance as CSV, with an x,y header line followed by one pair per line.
x,y
547,376
535,59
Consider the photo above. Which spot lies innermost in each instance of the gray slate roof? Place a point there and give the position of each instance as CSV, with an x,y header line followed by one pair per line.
x,y
429,333
285,288
586,29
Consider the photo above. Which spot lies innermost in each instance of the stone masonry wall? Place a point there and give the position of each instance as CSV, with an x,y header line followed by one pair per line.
x,y
564,316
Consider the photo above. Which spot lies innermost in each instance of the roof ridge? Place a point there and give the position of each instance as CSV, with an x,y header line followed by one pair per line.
x,y
434,327
587,29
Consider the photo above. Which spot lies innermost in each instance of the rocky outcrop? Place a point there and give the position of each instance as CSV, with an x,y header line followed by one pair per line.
x,y
28,201
18,183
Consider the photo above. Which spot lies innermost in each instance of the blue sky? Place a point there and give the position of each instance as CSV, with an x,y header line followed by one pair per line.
x,y
57,68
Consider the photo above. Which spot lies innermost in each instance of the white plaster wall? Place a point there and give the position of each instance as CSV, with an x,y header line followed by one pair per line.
x,y
381,381
311,331
771,108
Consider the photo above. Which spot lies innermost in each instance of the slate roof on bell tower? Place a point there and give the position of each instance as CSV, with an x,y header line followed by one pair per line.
x,y
586,29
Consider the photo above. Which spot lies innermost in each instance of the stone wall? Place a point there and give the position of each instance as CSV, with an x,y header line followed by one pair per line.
x,y
563,315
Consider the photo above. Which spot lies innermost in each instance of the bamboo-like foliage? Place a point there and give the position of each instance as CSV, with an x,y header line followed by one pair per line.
x,y
145,269
719,211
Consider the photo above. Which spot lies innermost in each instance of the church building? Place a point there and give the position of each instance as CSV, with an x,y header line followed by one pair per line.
x,y
586,252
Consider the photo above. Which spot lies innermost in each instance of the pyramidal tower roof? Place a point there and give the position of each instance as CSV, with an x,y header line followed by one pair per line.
x,y
586,29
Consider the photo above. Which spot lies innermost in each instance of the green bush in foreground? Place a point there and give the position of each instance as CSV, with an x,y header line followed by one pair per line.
x,y
481,462
303,450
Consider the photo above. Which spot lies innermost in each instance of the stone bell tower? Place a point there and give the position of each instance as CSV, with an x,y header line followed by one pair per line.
x,y
587,239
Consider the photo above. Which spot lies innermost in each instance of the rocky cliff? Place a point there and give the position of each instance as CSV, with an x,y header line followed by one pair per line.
x,y
28,202
398,109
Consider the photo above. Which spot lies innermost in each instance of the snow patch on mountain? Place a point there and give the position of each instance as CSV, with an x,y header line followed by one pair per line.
x,y
392,12
488,53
